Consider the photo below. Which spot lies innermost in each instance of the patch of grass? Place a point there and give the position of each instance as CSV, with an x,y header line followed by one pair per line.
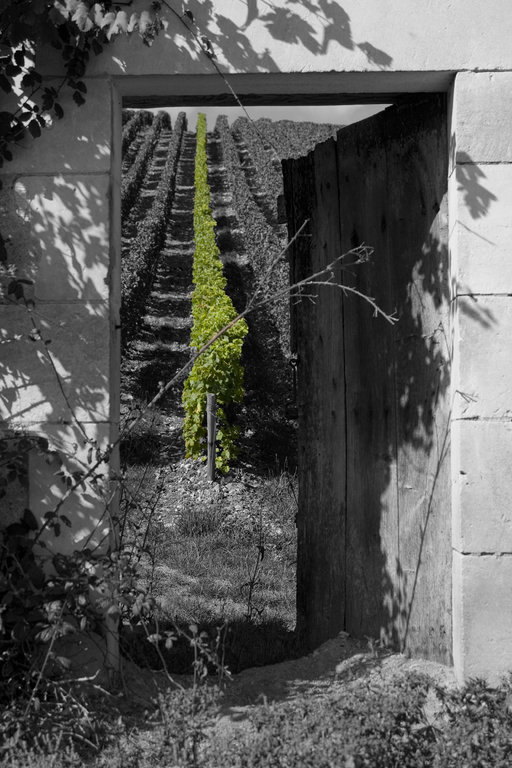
x,y
216,556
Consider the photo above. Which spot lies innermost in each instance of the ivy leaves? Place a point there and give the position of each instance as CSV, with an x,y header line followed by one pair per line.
x,y
76,28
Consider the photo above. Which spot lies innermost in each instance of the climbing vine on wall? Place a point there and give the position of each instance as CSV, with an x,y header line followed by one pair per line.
x,y
77,29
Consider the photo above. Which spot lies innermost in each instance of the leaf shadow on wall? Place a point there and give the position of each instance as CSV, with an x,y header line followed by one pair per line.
x,y
313,25
55,363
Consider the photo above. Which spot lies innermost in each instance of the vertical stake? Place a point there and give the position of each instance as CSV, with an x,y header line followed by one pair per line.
x,y
211,423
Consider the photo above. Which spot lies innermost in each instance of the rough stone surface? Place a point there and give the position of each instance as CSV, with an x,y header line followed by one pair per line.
x,y
58,234
80,142
482,616
79,347
483,514
484,116
85,508
318,37
65,252
484,228
485,357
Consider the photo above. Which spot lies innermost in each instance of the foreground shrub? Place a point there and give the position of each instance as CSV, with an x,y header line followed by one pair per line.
x,y
218,370
406,722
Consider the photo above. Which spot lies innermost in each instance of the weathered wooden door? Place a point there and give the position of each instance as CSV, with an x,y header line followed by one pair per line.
x,y
374,522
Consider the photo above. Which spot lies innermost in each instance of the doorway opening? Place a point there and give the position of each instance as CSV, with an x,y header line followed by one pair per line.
x,y
221,553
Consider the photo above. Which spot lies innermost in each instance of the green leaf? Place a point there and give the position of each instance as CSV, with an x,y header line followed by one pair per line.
x,y
5,123
34,128
19,58
29,520
5,84
81,18
78,99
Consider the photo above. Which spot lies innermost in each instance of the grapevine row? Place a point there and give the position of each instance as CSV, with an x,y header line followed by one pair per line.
x,y
132,127
292,139
265,165
219,369
261,242
132,181
138,266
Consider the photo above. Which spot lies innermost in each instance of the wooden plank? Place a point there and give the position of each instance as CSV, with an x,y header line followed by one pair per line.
x,y
319,339
297,182
372,505
392,172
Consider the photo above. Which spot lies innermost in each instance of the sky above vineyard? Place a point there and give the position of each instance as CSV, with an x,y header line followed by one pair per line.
x,y
335,114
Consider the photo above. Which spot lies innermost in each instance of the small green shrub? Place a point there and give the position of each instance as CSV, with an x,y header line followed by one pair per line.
x,y
218,370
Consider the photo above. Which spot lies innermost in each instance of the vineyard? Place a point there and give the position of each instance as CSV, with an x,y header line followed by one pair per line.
x,y
157,198
222,553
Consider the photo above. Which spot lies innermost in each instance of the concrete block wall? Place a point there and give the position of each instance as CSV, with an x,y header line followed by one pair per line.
x,y
60,207
55,218
481,249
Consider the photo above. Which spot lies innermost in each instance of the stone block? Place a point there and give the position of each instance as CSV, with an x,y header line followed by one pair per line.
x,y
482,616
484,116
483,330
58,235
483,228
78,336
316,37
87,523
482,519
79,143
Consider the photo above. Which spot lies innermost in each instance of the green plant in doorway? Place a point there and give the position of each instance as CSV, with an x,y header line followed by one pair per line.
x,y
219,369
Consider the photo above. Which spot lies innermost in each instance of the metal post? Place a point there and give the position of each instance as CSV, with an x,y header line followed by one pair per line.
x,y
211,423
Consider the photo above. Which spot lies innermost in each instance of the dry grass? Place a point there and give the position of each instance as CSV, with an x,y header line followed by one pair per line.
x,y
220,555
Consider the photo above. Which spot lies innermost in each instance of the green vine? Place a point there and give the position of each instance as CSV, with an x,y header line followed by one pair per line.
x,y
218,370
77,29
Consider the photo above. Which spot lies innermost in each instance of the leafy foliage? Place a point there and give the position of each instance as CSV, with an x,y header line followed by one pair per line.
x,y
137,267
406,722
218,370
76,28
133,121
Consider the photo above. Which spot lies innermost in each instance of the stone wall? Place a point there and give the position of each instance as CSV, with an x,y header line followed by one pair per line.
x,y
60,206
